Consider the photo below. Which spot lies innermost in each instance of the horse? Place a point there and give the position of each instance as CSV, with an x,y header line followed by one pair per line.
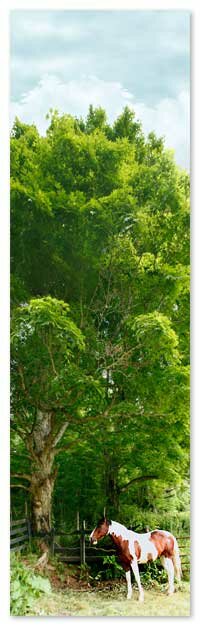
x,y
135,548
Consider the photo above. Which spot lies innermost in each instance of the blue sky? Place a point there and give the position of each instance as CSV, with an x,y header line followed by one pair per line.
x,y
69,59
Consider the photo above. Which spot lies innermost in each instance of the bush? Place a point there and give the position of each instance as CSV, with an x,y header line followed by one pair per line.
x,y
153,573
111,569
25,587
177,522
114,569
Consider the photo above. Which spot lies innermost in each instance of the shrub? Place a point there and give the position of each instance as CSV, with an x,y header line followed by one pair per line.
x,y
111,570
25,587
114,569
153,573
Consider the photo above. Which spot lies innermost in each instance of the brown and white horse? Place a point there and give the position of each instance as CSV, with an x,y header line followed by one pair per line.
x,y
135,548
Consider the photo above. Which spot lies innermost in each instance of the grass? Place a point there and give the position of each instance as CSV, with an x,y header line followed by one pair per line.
x,y
74,592
104,602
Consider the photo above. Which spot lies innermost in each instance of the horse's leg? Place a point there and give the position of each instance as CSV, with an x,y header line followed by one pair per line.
x,y
177,562
129,586
169,568
135,569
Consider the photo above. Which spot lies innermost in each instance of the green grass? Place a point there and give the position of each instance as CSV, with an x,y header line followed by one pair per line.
x,y
100,602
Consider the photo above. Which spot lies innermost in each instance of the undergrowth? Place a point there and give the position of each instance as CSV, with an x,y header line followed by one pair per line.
x,y
25,586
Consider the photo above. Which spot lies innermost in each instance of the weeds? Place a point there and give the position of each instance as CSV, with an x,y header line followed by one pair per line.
x,y
25,587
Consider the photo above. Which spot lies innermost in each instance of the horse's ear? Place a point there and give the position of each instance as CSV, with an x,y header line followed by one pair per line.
x,y
105,518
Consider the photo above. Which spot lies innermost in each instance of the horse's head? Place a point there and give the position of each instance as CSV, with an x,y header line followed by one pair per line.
x,y
100,530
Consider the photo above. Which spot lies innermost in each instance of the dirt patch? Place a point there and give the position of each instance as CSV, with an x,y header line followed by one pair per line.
x,y
74,582
63,581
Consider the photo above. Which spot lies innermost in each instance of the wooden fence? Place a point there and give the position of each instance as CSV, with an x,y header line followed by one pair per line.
x,y
184,547
80,551
20,534
77,548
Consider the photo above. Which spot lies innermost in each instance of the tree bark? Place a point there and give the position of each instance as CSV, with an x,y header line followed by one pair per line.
x,y
41,489
40,446
112,490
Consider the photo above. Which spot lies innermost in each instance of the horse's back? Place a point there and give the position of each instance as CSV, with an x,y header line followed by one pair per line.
x,y
153,544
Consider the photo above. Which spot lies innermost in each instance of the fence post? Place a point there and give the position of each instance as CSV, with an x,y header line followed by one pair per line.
x,y
82,544
77,521
27,521
52,541
29,530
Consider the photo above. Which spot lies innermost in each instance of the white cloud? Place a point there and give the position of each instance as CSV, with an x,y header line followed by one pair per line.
x,y
44,28
169,118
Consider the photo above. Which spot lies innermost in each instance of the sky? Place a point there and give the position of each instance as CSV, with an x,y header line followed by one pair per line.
x,y
73,58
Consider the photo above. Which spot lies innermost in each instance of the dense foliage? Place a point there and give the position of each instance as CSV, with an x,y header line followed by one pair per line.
x,y
25,587
100,321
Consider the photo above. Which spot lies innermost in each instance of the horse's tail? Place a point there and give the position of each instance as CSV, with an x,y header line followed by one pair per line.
x,y
177,560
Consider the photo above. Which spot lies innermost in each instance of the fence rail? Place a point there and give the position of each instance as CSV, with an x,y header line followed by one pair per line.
x,y
79,551
83,553
20,534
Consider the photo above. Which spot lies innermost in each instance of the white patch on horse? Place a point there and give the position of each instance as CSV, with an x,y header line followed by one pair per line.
x,y
90,537
169,568
147,547
129,586
121,531
118,530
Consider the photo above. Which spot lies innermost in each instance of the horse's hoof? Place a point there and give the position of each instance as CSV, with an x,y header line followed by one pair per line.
x,y
141,598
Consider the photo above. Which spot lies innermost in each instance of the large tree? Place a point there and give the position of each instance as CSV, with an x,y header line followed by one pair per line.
x,y
47,384
100,220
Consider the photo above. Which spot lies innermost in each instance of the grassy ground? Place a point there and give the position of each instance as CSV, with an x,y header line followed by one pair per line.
x,y
75,592
101,602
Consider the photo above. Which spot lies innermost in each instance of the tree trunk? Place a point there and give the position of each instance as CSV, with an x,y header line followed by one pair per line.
x,y
41,489
43,476
112,491
41,444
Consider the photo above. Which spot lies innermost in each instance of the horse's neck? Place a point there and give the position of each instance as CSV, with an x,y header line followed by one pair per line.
x,y
118,530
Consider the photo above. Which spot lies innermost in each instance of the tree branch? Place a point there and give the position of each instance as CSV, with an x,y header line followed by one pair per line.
x,y
20,370
69,445
21,487
60,433
25,476
138,480
51,358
